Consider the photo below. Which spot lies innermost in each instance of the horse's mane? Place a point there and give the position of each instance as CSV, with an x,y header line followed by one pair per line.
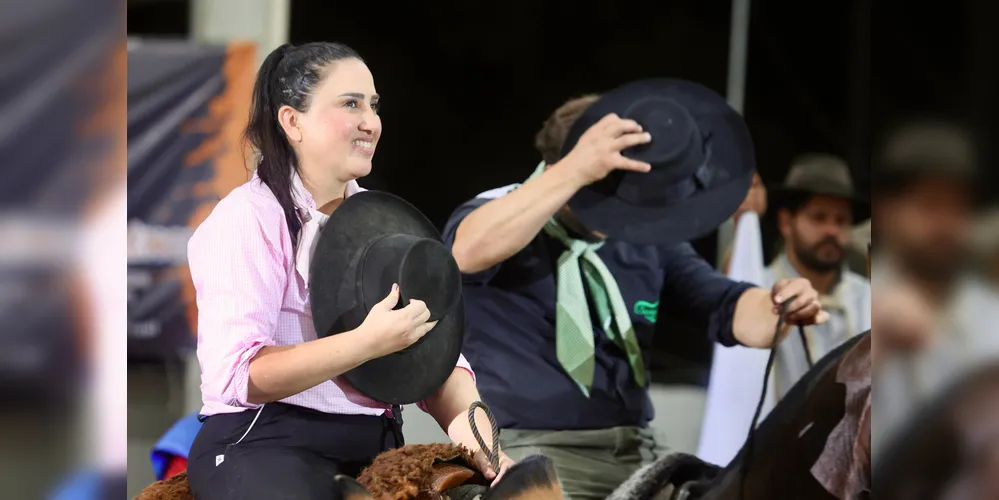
x,y
172,488
533,478
401,473
844,467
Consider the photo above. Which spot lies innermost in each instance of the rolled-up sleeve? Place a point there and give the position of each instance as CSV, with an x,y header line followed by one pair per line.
x,y
463,364
692,289
237,264
451,230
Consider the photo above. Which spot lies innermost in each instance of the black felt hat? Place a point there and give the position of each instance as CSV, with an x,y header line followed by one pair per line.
x,y
372,240
702,159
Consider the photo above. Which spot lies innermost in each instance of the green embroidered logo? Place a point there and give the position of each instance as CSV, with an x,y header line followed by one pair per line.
x,y
649,310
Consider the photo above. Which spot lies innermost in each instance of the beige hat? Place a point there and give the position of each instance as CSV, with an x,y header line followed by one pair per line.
x,y
928,147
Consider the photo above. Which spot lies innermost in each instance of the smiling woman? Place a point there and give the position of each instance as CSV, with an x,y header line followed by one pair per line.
x,y
280,419
326,128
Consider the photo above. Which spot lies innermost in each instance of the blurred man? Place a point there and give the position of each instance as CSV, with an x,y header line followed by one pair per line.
x,y
934,319
816,207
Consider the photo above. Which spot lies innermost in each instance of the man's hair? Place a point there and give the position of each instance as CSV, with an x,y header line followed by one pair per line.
x,y
552,135
794,202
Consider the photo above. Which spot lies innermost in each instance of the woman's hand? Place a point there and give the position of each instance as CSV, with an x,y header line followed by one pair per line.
x,y
482,463
391,330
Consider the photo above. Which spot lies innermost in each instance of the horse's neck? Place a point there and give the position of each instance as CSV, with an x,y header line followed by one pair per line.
x,y
790,440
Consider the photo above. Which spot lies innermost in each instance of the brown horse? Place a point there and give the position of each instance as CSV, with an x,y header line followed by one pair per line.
x,y
812,445
418,472
415,474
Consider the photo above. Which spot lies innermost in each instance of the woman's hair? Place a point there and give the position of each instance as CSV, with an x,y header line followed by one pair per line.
x,y
289,76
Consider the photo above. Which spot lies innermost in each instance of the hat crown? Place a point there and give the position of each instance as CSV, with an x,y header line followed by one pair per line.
x,y
674,134
702,160
819,172
372,240
680,151
422,267
929,145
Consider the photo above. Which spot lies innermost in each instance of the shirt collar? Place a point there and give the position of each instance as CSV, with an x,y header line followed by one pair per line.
x,y
303,199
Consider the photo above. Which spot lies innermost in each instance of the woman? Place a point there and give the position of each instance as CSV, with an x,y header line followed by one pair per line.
x,y
279,422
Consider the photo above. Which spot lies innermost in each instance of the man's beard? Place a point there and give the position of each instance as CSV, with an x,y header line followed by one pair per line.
x,y
811,258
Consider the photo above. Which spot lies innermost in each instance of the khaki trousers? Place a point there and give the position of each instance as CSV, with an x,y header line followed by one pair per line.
x,y
590,463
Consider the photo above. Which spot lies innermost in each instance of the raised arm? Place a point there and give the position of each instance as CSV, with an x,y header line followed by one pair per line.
x,y
502,227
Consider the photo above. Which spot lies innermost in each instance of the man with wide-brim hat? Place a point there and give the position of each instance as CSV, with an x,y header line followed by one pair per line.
x,y
565,274
817,206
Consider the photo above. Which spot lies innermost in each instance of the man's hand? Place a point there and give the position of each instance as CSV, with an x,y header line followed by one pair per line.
x,y
482,463
805,308
598,151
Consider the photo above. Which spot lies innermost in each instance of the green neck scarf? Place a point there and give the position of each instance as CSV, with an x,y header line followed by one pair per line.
x,y
574,339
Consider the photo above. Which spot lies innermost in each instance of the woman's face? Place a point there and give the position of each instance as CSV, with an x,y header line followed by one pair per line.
x,y
339,132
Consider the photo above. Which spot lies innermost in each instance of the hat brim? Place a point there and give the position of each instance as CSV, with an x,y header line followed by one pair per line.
x,y
780,196
599,207
690,219
402,377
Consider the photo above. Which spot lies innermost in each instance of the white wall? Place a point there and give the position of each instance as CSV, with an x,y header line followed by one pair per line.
x,y
264,22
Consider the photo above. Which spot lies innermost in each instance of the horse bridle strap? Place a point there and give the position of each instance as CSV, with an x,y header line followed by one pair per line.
x,y
748,458
493,455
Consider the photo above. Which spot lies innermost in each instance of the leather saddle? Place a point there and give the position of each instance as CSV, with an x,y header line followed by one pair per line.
x,y
454,479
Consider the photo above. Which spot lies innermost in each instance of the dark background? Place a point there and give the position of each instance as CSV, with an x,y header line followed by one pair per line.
x,y
466,86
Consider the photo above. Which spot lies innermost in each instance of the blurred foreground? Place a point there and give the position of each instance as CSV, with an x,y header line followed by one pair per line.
x,y
935,317
62,207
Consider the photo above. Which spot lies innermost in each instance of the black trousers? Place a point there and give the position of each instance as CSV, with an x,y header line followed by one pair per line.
x,y
283,451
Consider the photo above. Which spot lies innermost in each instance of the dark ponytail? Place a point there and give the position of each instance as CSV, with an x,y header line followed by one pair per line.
x,y
288,76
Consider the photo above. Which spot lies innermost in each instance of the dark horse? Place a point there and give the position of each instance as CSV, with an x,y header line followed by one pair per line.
x,y
950,447
778,461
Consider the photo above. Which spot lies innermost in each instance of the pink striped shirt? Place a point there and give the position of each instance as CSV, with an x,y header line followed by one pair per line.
x,y
251,294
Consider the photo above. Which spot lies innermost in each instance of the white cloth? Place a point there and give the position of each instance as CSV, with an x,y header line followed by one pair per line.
x,y
313,222
736,372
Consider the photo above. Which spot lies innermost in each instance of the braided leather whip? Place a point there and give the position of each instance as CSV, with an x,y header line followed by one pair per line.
x,y
751,438
493,455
